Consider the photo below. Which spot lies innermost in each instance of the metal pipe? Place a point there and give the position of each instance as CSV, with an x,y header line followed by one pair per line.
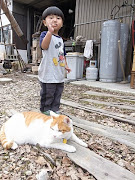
x,y
100,20
13,22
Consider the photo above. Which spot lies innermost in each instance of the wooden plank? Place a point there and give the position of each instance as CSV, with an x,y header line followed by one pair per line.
x,y
121,136
94,93
118,117
120,106
99,167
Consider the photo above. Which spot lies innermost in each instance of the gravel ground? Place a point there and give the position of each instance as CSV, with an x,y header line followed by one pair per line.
x,y
22,94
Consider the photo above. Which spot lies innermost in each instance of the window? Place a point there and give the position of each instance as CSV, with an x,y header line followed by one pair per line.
x,y
7,34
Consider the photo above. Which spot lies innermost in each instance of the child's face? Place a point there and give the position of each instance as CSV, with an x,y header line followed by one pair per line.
x,y
55,21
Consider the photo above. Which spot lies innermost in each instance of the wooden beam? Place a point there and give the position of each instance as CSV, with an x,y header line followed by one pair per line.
x,y
117,105
114,134
99,167
118,117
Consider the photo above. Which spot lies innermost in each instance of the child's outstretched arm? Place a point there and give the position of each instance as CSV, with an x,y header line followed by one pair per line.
x,y
46,41
66,66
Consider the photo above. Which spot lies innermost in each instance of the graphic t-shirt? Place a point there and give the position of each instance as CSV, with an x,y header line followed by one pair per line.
x,y
52,66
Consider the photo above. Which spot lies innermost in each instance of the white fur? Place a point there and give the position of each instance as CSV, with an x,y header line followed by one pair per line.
x,y
54,114
39,132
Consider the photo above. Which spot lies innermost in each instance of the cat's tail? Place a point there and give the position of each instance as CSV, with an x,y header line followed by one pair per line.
x,y
5,143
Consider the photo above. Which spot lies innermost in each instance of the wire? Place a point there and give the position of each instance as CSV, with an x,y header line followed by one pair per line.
x,y
71,32
116,11
119,7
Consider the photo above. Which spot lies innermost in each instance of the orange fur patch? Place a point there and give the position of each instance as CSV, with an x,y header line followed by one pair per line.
x,y
31,116
4,142
62,122
62,126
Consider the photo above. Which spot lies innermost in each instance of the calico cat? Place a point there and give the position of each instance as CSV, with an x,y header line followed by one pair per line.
x,y
32,127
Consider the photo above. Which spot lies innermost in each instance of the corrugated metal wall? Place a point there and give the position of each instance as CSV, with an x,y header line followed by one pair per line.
x,y
90,14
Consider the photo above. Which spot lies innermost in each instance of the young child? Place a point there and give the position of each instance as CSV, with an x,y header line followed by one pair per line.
x,y
51,71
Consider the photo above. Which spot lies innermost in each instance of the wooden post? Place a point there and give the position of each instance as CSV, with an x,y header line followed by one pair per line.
x,y
132,82
133,66
120,59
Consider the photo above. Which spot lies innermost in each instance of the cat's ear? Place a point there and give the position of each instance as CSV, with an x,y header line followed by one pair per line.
x,y
67,120
53,114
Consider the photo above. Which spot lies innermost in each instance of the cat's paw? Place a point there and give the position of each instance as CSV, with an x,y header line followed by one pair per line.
x,y
14,146
85,145
72,149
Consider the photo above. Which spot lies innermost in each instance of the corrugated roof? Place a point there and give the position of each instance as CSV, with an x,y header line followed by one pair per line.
x,y
40,4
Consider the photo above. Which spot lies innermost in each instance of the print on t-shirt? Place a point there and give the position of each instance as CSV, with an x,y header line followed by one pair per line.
x,y
60,61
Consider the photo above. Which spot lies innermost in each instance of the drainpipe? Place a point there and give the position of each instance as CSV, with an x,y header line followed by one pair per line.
x,y
13,22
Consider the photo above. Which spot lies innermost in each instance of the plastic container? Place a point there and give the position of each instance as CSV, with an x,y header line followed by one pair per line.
x,y
75,62
91,73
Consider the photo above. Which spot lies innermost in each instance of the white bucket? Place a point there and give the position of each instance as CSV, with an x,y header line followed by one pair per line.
x,y
91,73
75,62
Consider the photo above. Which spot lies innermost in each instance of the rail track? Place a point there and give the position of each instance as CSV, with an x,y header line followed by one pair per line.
x,y
105,120
81,107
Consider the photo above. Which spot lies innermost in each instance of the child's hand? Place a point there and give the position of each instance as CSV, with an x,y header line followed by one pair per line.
x,y
67,69
50,28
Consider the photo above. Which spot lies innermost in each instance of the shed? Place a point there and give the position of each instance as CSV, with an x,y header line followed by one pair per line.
x,y
82,17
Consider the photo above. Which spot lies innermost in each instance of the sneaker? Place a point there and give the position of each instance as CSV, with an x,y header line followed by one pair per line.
x,y
57,112
47,113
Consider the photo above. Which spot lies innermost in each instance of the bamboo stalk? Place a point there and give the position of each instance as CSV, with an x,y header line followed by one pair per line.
x,y
120,55
13,22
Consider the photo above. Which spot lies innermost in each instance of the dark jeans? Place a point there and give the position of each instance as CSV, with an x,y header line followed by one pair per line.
x,y
50,96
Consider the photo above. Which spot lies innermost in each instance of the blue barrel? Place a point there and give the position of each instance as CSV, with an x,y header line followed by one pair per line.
x,y
124,35
110,35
